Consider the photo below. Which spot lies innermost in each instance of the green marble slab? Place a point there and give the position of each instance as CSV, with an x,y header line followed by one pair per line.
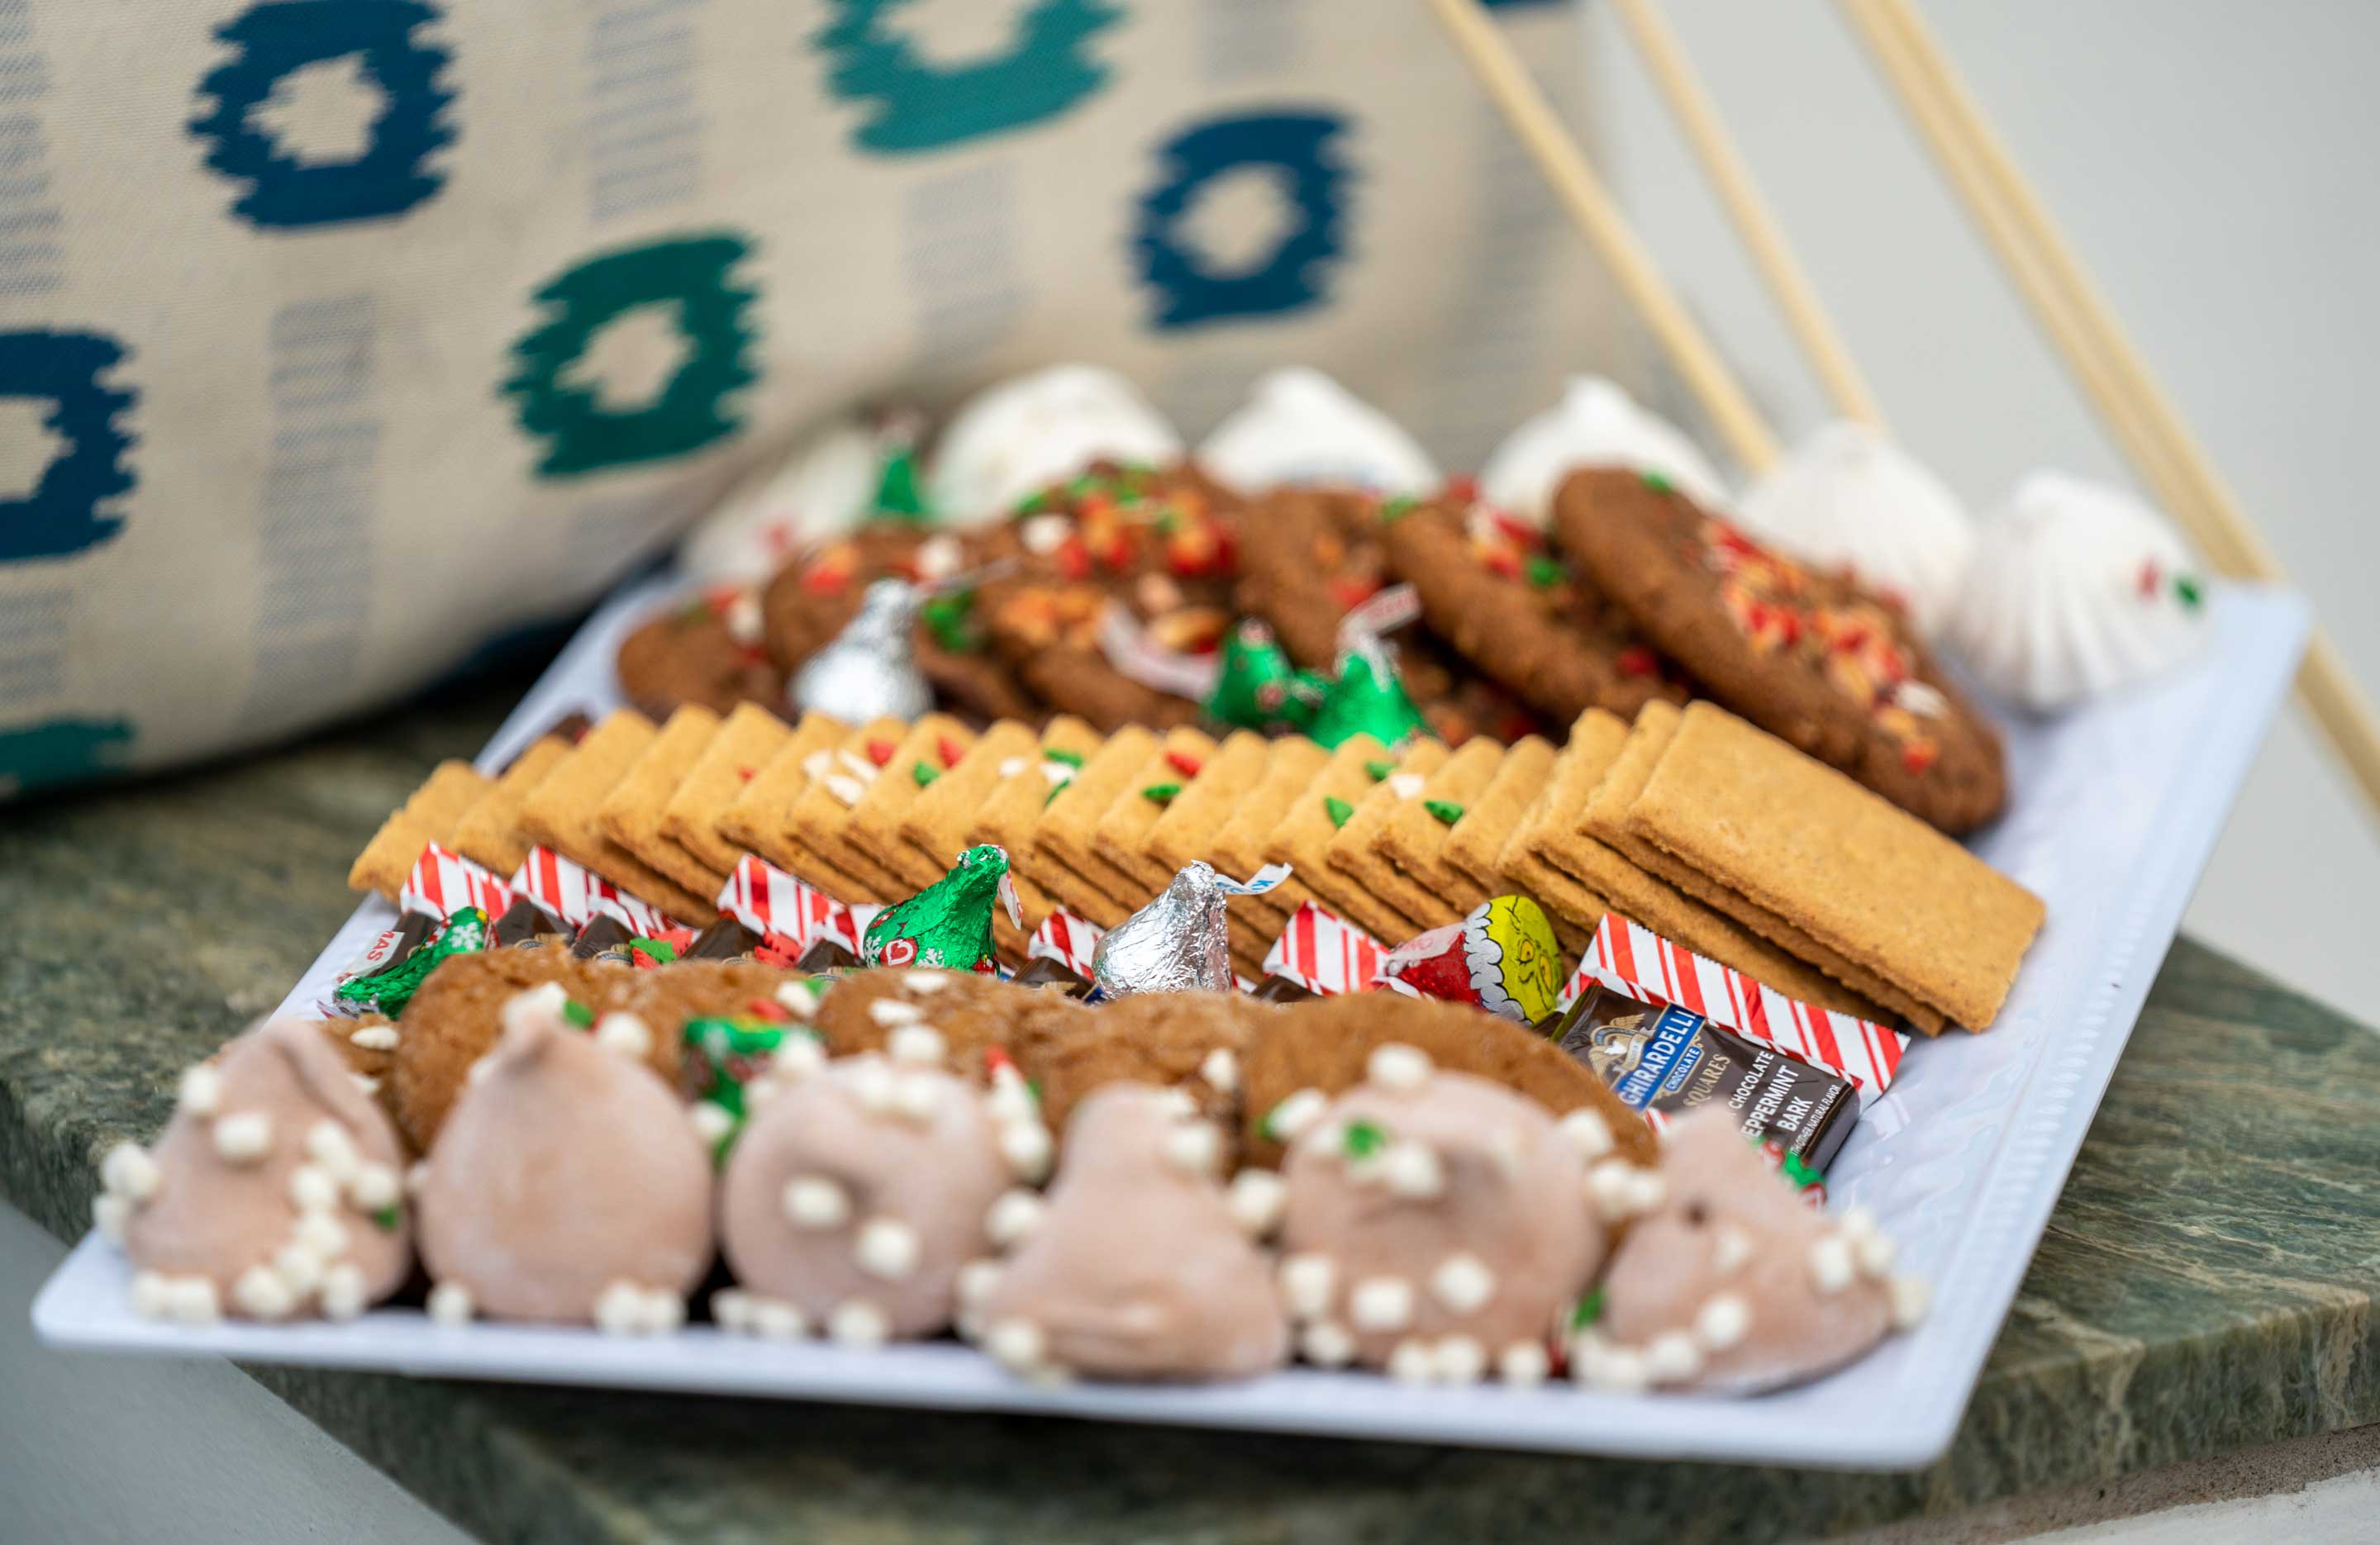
x,y
2206,1283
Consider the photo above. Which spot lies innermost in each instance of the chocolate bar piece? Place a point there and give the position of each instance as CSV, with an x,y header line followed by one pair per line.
x,y
1672,1059
1042,972
601,933
1280,989
826,954
725,940
523,922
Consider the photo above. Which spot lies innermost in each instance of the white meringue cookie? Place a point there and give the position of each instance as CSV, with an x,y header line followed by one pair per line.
x,y
1849,498
1017,438
1595,423
820,487
2075,588
1299,426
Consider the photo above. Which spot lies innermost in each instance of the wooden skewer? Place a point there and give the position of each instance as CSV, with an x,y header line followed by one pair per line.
x,y
1731,179
2136,408
1590,204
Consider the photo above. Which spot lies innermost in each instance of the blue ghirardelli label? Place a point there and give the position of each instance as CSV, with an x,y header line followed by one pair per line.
x,y
1664,1057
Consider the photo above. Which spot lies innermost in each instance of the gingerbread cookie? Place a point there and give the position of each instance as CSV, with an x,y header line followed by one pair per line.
x,y
706,651
1161,544
1815,660
1488,584
816,596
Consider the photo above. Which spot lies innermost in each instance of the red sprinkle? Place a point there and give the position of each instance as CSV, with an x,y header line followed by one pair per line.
x,y
881,751
1462,491
948,750
1504,562
1918,756
768,1009
1637,660
1074,559
826,579
995,1058
748,774
1352,593
2148,580
1184,763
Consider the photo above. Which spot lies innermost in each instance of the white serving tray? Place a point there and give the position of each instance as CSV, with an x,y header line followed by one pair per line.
x,y
2113,812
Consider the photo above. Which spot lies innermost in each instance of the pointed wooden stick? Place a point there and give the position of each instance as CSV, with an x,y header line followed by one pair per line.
x,y
1731,180
2138,412
1596,213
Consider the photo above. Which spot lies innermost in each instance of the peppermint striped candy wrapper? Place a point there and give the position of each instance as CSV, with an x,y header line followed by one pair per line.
x,y
1067,940
792,916
578,896
442,883
1630,958
1323,953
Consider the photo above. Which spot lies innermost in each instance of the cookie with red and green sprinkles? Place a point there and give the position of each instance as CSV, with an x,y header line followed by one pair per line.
x,y
1522,616
1821,663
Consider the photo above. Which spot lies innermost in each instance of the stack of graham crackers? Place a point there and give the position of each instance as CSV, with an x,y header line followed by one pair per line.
x,y
1692,822
876,813
1727,840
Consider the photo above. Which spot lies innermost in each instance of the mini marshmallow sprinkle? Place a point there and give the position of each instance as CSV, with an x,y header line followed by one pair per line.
x,y
626,1034
1306,1282
199,1090
1295,1112
1196,1147
1221,1069
1462,1283
376,1038
1325,1345
918,1045
886,1247
244,1138
814,1201
891,1011
1398,1066
1013,1217
1381,1304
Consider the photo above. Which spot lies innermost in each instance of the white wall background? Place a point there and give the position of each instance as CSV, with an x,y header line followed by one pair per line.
x,y
2213,163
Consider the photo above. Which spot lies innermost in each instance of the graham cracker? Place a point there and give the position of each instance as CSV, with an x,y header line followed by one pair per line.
x,y
564,812
1010,815
1352,848
748,741
1413,836
819,818
631,812
1605,820
938,821
1861,876
1186,831
1476,846
936,742
1121,834
1242,844
1303,838
490,833
755,819
1594,742
429,815
1068,831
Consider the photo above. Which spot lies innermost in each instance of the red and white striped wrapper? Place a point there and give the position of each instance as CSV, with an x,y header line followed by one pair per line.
x,y
1067,940
1323,953
578,896
770,902
1630,958
444,883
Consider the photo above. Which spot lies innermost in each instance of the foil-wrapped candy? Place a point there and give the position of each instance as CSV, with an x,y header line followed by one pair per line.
x,y
1178,942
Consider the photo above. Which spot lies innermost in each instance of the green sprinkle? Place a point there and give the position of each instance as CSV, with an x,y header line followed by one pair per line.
x,y
1545,573
1380,770
578,1013
1657,483
1445,809
388,1217
1055,789
1071,758
1162,792
1589,1309
2189,590
952,622
1033,503
1088,482
925,772
1402,504
1337,809
1365,1139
